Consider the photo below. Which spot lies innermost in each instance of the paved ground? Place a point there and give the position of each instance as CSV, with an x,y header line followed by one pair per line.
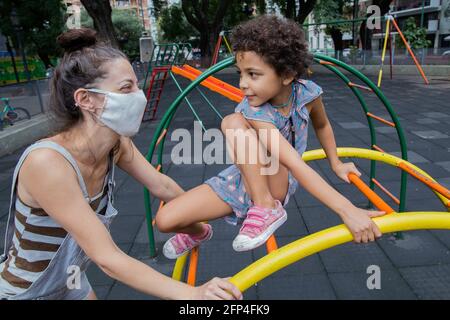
x,y
415,267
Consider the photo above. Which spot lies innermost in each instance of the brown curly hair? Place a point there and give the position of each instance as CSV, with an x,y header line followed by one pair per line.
x,y
279,41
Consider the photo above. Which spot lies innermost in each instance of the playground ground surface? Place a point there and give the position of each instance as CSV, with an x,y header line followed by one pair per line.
x,y
416,266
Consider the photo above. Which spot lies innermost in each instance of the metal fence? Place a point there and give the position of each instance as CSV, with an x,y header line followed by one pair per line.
x,y
32,95
426,56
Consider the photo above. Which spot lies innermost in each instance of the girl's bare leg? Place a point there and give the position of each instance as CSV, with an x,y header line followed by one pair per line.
x,y
263,189
91,296
184,213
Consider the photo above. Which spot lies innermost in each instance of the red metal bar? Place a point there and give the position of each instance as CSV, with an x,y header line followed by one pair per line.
x,y
410,51
389,123
386,191
351,84
216,51
327,63
271,244
155,89
161,137
378,148
193,263
372,196
432,184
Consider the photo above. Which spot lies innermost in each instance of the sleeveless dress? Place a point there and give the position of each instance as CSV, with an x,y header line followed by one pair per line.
x,y
228,184
40,256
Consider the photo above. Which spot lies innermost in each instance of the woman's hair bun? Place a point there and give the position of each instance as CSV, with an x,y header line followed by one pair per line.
x,y
76,39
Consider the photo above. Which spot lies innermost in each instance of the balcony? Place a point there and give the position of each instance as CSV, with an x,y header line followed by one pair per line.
x,y
121,3
124,4
406,8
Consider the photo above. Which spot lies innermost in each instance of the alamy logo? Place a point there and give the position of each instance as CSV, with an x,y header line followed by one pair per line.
x,y
374,280
373,21
74,278
74,17
242,147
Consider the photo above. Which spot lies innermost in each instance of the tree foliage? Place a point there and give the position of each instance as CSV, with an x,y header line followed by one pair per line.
x,y
127,27
238,12
333,10
159,6
100,12
207,17
40,22
298,13
174,26
416,36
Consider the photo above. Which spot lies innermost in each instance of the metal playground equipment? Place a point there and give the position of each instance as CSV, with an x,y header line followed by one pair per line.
x,y
390,23
169,60
279,258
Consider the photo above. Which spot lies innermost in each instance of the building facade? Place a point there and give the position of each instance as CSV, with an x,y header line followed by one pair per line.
x,y
433,15
140,7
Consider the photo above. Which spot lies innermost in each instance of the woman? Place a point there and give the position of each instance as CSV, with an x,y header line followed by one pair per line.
x,y
61,202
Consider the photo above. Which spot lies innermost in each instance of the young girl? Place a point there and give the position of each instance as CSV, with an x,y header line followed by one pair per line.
x,y
62,194
271,55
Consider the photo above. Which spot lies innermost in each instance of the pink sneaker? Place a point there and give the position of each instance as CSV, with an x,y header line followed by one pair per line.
x,y
182,242
259,226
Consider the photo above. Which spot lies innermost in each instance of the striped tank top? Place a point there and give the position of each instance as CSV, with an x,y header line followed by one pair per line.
x,y
36,239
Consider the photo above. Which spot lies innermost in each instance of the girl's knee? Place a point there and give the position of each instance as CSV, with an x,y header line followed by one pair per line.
x,y
164,222
234,121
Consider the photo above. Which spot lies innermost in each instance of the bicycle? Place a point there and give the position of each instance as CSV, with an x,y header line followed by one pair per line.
x,y
11,115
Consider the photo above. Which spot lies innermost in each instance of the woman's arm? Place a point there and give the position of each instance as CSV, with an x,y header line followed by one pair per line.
x,y
324,132
57,191
134,163
356,219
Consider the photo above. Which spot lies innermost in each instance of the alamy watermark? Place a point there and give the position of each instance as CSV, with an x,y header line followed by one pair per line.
x,y
374,280
74,16
242,147
374,15
74,279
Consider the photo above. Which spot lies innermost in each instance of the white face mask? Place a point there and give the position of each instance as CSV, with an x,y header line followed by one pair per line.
x,y
122,113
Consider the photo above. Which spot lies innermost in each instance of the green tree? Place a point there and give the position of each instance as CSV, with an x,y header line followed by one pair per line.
x,y
174,26
261,6
40,22
291,10
333,10
85,19
158,7
241,11
100,12
236,14
207,18
127,27
416,36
